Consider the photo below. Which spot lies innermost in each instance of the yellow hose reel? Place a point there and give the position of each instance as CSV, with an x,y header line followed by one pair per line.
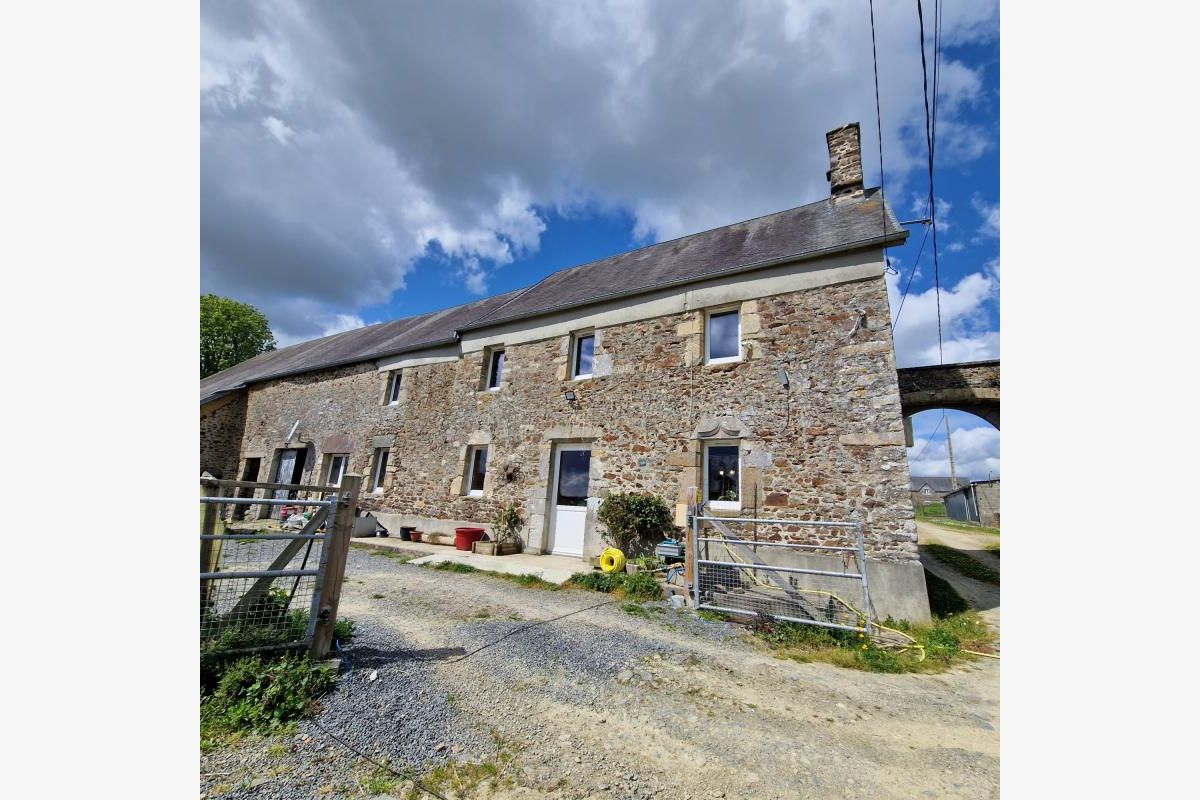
x,y
612,560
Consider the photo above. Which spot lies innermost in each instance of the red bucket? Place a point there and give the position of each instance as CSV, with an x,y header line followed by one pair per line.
x,y
465,537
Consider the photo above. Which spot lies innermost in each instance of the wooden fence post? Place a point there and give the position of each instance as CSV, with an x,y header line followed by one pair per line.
x,y
210,551
337,546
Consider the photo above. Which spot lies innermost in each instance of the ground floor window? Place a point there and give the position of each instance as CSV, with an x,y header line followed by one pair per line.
x,y
379,469
722,475
337,468
476,470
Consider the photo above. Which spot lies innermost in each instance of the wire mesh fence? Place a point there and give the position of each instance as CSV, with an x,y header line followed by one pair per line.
x,y
279,587
261,590
764,568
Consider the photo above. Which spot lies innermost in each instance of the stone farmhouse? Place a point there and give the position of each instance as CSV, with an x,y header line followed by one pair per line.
x,y
751,366
930,488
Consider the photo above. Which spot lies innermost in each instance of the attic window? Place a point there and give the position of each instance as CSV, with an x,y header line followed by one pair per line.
x,y
581,355
722,337
393,393
495,369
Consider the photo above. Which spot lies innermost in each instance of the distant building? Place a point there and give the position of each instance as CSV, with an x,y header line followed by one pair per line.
x,y
978,501
930,489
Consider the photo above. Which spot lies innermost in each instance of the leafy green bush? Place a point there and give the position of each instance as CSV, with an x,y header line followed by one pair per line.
x,y
641,586
597,581
260,696
634,521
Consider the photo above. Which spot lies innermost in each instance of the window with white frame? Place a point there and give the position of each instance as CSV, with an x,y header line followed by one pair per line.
x,y
926,490
582,352
722,337
379,469
723,475
495,372
337,468
476,470
393,390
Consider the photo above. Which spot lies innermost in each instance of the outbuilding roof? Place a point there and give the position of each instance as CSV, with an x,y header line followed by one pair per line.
x,y
809,231
938,483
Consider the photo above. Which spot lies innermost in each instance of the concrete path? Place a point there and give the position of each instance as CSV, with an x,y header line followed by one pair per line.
x,y
983,597
555,569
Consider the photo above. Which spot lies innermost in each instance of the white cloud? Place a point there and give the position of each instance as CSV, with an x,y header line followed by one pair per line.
x,y
990,212
279,129
418,128
966,327
976,451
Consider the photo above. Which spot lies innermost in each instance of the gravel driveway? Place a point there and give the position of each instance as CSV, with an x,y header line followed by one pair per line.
x,y
605,704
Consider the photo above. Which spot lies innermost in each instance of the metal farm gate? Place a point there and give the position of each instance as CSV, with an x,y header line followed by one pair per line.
x,y
755,567
273,589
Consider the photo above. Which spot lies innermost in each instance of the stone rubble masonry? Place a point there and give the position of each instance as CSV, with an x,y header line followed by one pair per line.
x,y
222,423
829,446
845,173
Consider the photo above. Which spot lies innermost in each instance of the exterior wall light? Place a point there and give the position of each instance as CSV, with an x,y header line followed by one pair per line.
x,y
569,395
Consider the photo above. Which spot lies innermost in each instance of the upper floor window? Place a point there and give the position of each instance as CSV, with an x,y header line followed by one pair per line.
x,y
393,390
477,470
581,355
495,372
926,490
722,337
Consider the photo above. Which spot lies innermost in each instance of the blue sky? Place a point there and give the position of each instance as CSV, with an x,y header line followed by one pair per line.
x,y
366,162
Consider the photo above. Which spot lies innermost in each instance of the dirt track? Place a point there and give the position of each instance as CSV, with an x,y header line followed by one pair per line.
x,y
608,705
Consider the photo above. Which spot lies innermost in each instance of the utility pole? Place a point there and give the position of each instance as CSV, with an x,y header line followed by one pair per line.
x,y
950,450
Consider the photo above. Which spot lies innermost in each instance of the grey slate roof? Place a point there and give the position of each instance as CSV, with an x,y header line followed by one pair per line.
x,y
349,347
808,231
797,233
939,483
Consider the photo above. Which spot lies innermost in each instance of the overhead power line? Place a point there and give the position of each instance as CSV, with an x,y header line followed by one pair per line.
x,y
931,142
879,136
930,439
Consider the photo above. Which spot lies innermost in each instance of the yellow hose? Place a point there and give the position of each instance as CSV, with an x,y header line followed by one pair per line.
x,y
612,560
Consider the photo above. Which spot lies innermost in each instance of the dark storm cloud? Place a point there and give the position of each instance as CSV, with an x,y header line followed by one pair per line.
x,y
340,141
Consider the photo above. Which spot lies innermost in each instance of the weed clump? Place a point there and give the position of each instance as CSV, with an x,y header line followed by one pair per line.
x,y
262,696
944,642
639,586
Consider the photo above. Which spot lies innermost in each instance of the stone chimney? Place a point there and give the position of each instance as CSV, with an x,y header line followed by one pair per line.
x,y
845,173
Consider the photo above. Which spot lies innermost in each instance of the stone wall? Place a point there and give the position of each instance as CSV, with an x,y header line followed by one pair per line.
x,y
338,411
222,422
828,445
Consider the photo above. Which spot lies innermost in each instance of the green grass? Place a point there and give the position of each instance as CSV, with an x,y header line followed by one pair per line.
x,y
944,643
963,563
394,555
930,510
528,581
640,586
639,610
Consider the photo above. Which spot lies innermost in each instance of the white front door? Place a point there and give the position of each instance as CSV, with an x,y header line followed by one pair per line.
x,y
569,499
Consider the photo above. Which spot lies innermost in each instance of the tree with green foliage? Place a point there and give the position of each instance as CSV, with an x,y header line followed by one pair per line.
x,y
230,333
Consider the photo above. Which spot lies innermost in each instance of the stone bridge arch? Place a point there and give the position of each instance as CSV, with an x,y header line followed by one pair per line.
x,y
973,387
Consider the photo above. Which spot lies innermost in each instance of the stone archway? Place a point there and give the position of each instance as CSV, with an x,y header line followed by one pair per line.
x,y
973,387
